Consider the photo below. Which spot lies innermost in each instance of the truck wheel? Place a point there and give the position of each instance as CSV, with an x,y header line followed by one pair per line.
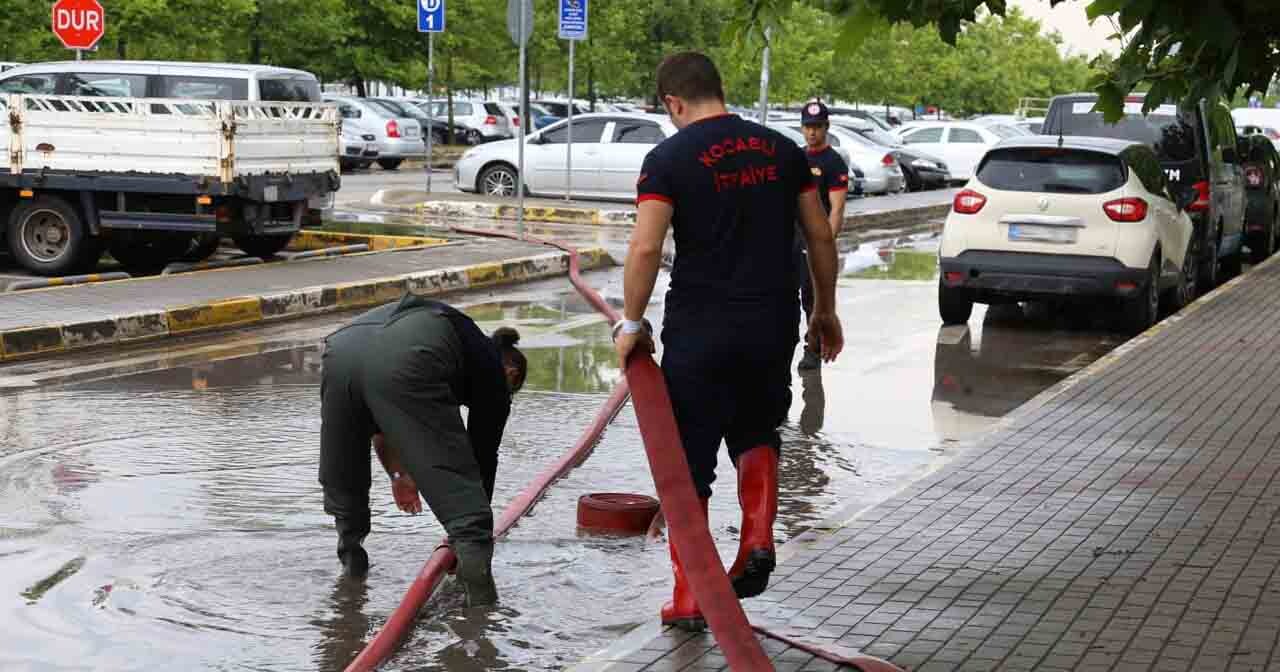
x,y
1143,309
264,246
390,164
46,236
148,253
954,305
202,246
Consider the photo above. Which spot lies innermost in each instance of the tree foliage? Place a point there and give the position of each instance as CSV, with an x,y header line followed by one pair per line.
x,y
1175,49
996,60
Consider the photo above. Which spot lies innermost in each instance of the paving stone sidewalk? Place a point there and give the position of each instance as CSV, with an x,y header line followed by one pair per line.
x,y
101,301
1126,520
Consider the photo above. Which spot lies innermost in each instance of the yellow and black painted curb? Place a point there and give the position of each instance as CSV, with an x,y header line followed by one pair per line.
x,y
310,239
34,341
889,218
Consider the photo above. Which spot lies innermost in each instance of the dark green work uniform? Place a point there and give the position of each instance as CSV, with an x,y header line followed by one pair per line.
x,y
404,370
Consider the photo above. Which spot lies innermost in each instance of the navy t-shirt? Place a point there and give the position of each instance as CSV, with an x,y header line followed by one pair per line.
x,y
734,186
831,174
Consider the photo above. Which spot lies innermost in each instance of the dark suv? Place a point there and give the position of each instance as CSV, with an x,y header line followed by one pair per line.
x,y
1198,150
1262,177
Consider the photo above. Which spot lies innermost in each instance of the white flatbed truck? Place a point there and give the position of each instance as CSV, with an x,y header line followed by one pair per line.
x,y
158,180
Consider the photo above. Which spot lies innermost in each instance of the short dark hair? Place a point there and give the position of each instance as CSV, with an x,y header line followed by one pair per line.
x,y
506,339
689,75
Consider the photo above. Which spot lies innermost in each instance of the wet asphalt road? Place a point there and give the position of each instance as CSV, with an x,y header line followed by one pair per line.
x,y
160,505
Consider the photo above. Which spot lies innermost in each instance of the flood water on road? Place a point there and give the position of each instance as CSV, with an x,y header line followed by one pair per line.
x,y
172,519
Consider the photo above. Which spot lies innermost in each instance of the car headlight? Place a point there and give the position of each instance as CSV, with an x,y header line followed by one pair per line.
x,y
926,164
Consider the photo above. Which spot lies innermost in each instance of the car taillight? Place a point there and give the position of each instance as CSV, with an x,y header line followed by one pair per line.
x,y
1253,175
1201,204
969,202
1126,209
491,120
888,160
393,129
1272,133
515,121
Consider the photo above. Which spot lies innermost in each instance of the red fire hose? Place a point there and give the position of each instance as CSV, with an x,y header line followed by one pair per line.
x,y
670,470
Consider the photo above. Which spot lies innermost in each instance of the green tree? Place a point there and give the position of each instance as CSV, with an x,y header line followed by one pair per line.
x,y
1177,49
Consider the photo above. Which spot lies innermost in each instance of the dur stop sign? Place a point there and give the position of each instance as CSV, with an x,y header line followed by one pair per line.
x,y
79,24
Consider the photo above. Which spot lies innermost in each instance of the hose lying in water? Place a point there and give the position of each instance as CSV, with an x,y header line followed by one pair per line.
x,y
680,506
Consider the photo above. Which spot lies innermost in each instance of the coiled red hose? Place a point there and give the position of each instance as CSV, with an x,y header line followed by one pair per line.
x,y
670,470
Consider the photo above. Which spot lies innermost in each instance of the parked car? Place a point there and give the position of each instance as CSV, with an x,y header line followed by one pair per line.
x,y
1063,218
608,151
359,149
857,179
960,144
163,79
921,170
1261,121
881,170
560,108
1032,125
869,117
1197,148
542,117
483,120
399,137
441,132
1262,191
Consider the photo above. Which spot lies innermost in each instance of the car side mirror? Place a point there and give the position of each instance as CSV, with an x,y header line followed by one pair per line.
x,y
537,139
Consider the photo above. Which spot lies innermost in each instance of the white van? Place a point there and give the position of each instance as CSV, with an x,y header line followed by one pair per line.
x,y
163,79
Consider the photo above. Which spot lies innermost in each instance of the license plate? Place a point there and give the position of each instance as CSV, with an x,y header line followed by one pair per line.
x,y
1041,234
271,193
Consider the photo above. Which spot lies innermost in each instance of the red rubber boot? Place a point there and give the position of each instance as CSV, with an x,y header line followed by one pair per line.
x,y
758,496
682,611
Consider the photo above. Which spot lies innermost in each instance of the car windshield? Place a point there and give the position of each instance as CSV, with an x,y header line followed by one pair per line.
x,y
880,137
1162,130
400,109
1051,170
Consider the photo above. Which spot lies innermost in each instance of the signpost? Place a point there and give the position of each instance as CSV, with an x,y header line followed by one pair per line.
x,y
573,27
520,26
431,21
764,78
79,24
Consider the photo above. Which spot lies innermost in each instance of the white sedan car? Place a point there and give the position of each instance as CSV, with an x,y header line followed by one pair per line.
x,y
608,151
960,144
1077,217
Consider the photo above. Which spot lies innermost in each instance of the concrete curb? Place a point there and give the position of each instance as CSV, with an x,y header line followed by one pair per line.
x,y
887,218
40,340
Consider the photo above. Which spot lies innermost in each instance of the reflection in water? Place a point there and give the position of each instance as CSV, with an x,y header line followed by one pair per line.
x,y
1016,358
813,411
344,627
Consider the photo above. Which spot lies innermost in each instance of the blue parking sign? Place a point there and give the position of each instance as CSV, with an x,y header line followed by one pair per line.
x,y
573,19
430,16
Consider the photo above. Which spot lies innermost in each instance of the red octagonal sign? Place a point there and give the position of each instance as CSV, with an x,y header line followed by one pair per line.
x,y
79,23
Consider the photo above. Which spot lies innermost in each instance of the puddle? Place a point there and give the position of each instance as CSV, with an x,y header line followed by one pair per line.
x,y
192,491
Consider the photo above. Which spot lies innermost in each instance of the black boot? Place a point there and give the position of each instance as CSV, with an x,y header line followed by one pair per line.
x,y
354,559
475,572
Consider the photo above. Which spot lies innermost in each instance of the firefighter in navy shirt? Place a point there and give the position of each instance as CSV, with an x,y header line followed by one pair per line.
x,y
732,191
832,175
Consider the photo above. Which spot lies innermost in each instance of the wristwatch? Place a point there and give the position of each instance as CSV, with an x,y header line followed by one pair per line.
x,y
625,326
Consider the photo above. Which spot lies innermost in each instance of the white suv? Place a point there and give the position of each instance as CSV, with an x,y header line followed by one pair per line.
x,y
1051,218
484,120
